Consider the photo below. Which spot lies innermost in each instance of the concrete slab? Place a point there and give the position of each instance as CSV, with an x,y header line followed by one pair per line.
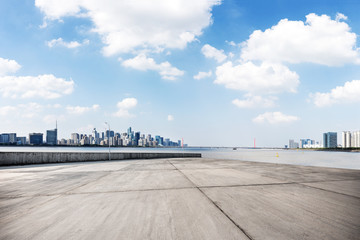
x,y
148,166
226,177
170,214
295,173
137,180
160,199
99,166
350,187
13,208
34,184
289,211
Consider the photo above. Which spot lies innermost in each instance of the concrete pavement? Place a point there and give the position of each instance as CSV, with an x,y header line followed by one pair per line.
x,y
178,199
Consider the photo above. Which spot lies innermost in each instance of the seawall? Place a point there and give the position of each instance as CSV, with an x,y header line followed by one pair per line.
x,y
24,158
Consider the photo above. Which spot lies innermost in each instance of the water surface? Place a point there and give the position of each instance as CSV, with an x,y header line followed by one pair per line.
x,y
350,160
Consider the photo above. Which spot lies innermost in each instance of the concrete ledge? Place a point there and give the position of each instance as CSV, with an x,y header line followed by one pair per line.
x,y
24,158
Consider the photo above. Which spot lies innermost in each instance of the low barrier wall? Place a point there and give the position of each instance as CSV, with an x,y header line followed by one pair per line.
x,y
23,158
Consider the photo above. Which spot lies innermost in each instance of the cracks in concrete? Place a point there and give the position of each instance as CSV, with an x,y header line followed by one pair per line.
x,y
218,207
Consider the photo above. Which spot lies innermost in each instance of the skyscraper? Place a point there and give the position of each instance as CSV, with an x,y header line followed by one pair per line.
x,y
75,138
330,140
96,137
137,137
51,136
36,138
346,139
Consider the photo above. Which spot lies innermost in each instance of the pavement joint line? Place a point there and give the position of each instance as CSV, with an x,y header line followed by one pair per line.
x,y
100,192
326,190
70,192
218,207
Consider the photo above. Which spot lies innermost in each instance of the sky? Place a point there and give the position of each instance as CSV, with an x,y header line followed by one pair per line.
x,y
215,73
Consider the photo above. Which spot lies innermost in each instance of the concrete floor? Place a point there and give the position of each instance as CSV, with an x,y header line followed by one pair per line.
x,y
178,199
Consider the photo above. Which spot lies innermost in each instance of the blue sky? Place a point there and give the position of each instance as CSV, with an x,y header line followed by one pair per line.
x,y
216,73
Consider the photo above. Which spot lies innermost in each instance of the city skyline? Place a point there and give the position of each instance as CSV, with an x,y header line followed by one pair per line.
x,y
112,137
215,73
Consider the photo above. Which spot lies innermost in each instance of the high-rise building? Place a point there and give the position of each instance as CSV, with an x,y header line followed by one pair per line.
x,y
75,138
350,139
137,137
21,140
356,136
330,140
12,137
51,137
111,134
293,144
96,137
346,139
36,138
5,138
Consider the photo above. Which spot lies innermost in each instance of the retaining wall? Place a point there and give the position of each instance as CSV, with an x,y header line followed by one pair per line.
x,y
23,158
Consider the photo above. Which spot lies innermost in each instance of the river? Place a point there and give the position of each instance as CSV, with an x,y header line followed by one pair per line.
x,y
349,160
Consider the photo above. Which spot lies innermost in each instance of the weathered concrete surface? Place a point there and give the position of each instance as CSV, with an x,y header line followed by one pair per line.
x,y
24,158
178,199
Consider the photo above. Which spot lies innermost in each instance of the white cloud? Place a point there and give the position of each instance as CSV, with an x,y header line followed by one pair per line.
x,y
268,78
126,26
349,93
7,110
28,110
231,43
202,75
81,110
8,66
124,106
274,118
43,86
170,118
61,42
340,16
318,40
255,101
143,63
211,52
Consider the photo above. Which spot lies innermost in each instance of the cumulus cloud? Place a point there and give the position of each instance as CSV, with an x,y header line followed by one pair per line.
x,y
231,43
7,110
61,42
81,110
319,40
124,106
43,86
28,110
170,118
275,117
268,78
202,75
255,101
144,63
126,26
211,52
8,66
349,93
